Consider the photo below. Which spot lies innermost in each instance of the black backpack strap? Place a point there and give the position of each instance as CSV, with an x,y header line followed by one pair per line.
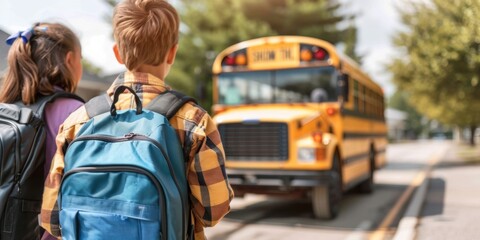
x,y
39,106
168,103
98,105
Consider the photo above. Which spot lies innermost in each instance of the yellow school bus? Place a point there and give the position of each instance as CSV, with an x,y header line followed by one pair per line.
x,y
298,118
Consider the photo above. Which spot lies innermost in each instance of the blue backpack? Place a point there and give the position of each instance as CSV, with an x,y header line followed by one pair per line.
x,y
125,173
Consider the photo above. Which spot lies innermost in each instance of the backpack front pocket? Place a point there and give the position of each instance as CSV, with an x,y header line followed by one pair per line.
x,y
114,222
21,217
105,203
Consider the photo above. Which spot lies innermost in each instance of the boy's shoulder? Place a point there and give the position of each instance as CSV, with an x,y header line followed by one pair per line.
x,y
192,112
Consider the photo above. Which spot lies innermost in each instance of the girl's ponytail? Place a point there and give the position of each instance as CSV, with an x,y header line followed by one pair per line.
x,y
37,63
21,79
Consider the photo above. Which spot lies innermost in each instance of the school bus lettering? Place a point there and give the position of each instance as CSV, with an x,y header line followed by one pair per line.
x,y
273,56
264,56
286,54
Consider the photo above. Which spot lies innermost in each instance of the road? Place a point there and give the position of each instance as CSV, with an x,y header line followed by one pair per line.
x,y
362,216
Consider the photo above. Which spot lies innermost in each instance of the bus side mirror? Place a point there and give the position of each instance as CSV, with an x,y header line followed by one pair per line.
x,y
344,86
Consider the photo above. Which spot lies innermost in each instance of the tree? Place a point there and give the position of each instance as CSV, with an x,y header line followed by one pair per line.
x,y
441,66
313,18
212,25
208,27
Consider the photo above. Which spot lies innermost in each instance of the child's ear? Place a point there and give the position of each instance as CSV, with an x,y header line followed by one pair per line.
x,y
117,53
171,54
69,59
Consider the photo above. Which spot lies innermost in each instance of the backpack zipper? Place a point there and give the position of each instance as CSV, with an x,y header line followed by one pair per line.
x,y
139,170
140,137
130,137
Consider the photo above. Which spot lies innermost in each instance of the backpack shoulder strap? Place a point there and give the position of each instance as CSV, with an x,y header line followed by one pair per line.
x,y
39,106
98,105
169,102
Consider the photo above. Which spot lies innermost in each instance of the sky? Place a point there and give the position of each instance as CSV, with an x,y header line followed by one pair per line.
x,y
377,21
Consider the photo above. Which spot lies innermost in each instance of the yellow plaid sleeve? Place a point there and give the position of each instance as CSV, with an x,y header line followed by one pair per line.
x,y
210,191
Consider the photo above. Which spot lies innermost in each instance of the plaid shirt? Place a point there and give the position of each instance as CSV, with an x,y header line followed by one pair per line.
x,y
210,191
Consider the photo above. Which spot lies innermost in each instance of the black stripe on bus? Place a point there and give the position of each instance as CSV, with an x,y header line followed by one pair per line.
x,y
353,113
361,156
363,135
354,158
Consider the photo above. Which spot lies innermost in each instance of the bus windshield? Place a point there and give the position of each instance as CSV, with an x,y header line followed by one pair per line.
x,y
280,86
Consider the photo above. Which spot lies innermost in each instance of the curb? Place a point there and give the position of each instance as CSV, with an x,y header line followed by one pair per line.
x,y
408,223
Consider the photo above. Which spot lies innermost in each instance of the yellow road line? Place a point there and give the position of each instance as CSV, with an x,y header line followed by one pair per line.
x,y
382,229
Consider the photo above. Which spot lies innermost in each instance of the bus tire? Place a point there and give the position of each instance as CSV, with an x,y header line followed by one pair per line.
x,y
326,198
368,185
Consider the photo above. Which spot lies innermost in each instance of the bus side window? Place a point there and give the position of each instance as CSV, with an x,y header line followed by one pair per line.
x,y
356,95
368,102
344,86
364,99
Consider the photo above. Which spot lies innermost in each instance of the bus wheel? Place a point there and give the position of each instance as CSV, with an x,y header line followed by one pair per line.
x,y
367,185
326,198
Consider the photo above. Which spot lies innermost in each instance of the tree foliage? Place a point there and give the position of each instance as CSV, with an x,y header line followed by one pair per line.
x,y
441,66
313,18
209,26
212,25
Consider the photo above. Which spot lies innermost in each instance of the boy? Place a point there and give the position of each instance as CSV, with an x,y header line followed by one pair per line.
x,y
146,40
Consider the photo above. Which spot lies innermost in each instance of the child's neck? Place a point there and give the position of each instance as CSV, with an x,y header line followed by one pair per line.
x,y
159,71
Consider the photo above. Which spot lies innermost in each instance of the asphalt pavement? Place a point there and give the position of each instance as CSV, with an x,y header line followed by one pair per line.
x,y
451,205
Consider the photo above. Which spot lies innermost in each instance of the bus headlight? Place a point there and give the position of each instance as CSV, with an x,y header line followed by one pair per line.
x,y
311,155
306,155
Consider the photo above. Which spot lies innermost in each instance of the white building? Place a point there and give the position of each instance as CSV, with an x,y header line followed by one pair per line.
x,y
396,123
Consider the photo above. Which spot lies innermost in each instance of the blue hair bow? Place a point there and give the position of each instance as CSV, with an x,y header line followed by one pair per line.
x,y
25,35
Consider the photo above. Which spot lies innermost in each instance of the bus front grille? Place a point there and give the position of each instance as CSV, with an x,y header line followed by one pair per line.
x,y
257,141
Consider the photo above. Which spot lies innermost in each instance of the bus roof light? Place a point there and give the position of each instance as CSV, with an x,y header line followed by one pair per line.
x,y
241,59
320,54
305,55
229,60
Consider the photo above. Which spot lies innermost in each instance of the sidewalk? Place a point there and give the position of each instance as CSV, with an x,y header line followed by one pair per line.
x,y
451,209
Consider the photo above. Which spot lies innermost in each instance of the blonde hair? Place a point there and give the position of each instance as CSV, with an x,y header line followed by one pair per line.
x,y
38,65
144,31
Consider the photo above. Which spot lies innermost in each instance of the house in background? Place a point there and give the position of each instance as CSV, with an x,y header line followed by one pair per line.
x,y
395,123
91,84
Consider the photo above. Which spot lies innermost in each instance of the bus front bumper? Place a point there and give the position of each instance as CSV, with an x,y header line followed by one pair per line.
x,y
258,181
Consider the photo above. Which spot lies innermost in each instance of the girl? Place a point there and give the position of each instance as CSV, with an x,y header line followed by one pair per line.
x,y
42,60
